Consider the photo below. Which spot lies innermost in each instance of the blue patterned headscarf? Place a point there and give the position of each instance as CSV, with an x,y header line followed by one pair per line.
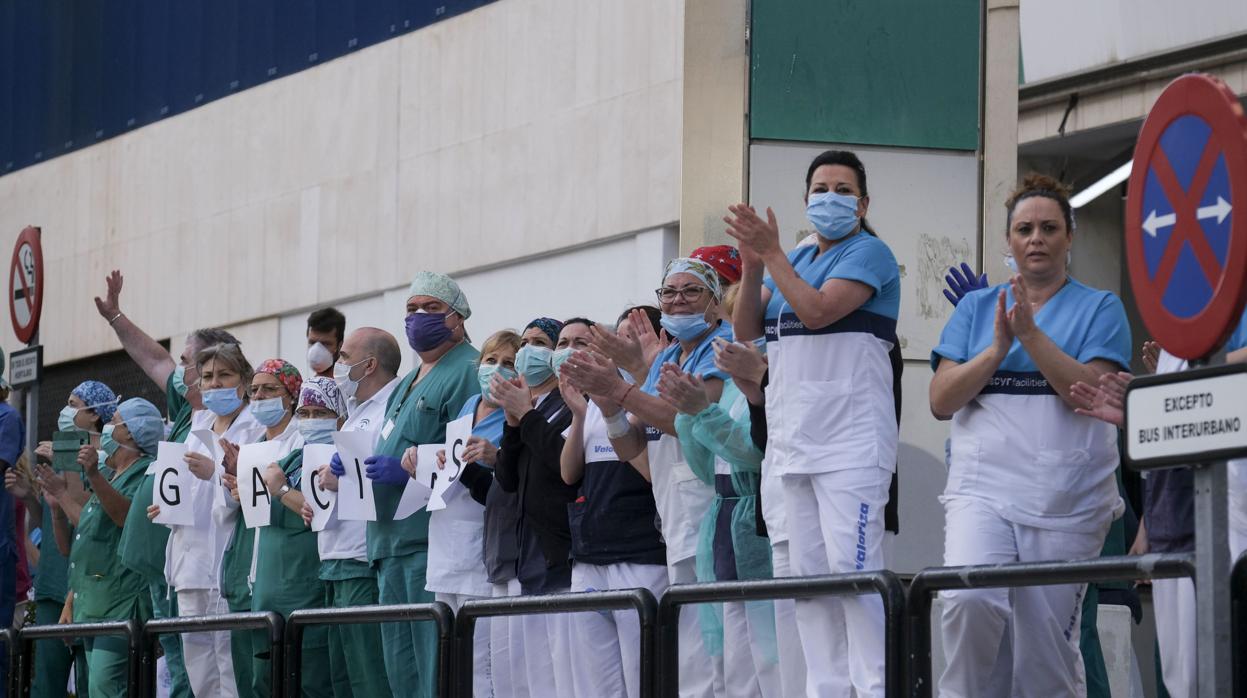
x,y
549,326
99,397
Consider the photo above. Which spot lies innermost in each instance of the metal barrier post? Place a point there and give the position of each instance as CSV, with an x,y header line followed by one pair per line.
x,y
14,657
882,582
1238,620
641,600
931,580
436,612
262,620
27,636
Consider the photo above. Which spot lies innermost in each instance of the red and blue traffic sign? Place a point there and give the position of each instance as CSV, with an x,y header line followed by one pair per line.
x,y
1186,216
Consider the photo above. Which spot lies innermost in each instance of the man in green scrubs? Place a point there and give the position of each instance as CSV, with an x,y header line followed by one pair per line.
x,y
102,589
423,403
143,543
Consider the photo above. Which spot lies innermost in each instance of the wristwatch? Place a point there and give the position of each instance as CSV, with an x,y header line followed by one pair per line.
x,y
282,492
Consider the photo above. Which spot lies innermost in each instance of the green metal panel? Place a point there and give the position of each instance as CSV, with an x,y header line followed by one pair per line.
x,y
875,72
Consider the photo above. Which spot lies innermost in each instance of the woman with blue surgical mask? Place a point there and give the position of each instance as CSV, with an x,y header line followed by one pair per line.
x,y
615,544
195,552
828,312
89,407
286,571
641,425
1029,479
102,588
465,537
273,394
528,465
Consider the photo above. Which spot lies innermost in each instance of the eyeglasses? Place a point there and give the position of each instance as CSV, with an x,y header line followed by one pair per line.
x,y
690,294
266,390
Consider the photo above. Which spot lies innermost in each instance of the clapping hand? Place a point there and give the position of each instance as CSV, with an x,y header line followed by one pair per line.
x,y
683,391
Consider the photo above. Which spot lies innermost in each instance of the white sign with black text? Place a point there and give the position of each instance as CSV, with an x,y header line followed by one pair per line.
x,y
1187,418
318,498
257,504
172,485
355,497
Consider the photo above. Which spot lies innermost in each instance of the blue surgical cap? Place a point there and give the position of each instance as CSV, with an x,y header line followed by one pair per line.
x,y
144,422
99,397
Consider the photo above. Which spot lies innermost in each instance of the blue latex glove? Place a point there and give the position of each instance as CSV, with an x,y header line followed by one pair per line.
x,y
962,282
336,467
386,470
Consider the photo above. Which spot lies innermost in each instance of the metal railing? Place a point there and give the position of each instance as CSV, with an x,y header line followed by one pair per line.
x,y
1238,620
436,612
26,637
882,582
931,580
640,600
263,620
12,653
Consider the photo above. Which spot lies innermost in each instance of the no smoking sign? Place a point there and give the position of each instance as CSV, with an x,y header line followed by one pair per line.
x,y
26,285
1186,216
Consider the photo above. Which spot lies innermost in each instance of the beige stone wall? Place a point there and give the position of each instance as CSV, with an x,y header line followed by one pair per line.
x,y
519,129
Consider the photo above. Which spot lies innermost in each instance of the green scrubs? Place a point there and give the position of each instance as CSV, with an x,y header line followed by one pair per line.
x,y
416,414
142,549
236,590
287,578
104,589
53,660
353,648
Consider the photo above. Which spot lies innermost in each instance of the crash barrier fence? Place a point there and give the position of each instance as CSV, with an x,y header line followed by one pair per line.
x,y
906,610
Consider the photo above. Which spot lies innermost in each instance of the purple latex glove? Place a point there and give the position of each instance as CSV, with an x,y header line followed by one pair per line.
x,y
962,282
336,467
386,470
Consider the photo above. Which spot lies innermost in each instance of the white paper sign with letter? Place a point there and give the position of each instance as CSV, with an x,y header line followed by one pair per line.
x,y
172,486
355,498
252,494
320,499
416,494
457,434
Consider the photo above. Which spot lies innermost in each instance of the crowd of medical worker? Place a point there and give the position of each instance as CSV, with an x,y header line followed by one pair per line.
x,y
742,426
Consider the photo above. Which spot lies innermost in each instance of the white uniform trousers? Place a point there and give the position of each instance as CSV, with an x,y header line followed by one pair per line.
x,y
1044,659
209,665
606,659
701,675
1173,602
547,654
482,675
506,649
788,640
835,525
750,660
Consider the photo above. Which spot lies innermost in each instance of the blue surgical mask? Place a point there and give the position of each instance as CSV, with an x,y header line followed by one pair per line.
x,y
222,401
179,380
65,420
533,362
485,375
268,412
833,215
558,358
108,443
685,327
318,431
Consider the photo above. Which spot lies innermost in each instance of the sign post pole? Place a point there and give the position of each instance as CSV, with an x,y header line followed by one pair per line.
x,y
1212,581
32,413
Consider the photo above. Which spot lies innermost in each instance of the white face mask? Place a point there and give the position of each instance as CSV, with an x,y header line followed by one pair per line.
x,y
342,376
318,357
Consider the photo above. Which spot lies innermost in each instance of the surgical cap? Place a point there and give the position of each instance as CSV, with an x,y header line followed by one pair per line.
x,y
443,288
285,373
549,326
99,397
322,392
704,273
724,258
144,422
